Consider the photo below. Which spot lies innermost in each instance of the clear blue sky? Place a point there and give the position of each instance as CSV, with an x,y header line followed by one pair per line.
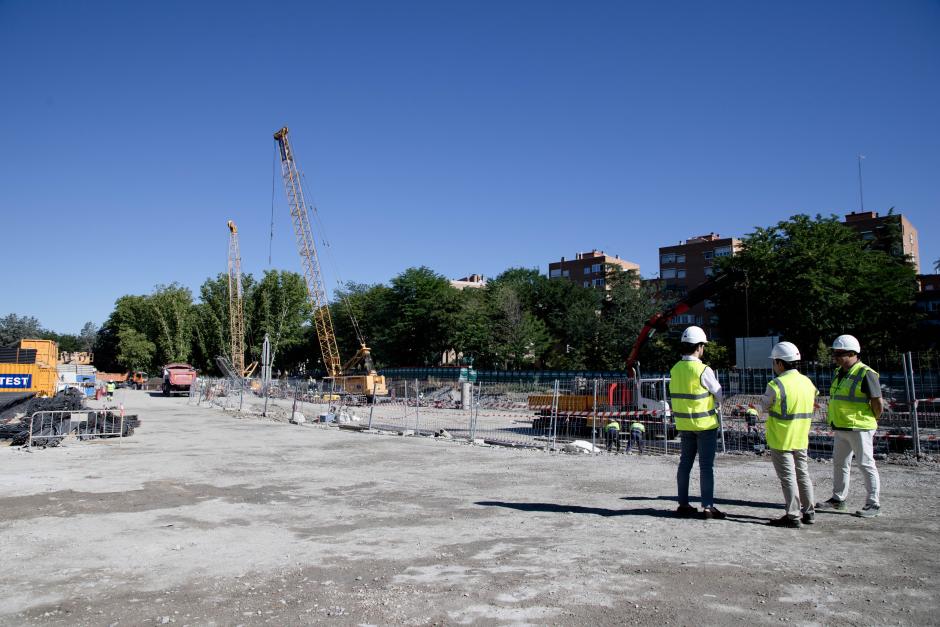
x,y
465,136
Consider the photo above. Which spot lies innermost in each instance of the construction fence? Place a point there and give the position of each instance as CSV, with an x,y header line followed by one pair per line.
x,y
553,414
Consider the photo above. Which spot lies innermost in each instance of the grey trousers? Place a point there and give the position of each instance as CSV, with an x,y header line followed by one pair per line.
x,y
793,471
857,444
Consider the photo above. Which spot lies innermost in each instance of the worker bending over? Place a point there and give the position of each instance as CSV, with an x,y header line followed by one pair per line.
x,y
637,429
612,433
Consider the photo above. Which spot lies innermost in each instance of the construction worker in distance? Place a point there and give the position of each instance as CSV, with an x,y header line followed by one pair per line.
x,y
612,433
695,394
637,429
110,389
750,419
790,402
855,405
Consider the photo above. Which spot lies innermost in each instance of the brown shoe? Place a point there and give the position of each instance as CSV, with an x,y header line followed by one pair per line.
x,y
685,511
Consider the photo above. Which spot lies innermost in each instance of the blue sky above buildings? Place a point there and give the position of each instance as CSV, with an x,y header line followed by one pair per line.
x,y
465,136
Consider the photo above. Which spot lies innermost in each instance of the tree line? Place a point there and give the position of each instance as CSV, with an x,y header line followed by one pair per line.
x,y
807,280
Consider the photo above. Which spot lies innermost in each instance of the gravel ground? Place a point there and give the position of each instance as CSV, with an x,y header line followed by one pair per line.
x,y
202,518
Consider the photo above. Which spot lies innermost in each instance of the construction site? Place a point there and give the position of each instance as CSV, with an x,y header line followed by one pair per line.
x,y
432,496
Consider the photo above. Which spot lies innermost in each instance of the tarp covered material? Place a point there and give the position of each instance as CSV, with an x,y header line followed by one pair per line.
x,y
64,400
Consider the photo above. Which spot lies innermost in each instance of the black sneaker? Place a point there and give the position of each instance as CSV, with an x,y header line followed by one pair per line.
x,y
710,513
684,511
834,504
785,521
808,518
869,511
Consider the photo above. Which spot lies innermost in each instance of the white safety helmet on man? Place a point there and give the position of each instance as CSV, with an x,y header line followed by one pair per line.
x,y
847,343
694,335
785,351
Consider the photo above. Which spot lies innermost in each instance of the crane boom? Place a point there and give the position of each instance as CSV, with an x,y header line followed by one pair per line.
x,y
316,292
236,306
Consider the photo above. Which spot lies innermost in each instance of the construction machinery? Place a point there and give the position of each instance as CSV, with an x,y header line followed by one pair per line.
x,y
177,378
370,383
632,398
236,306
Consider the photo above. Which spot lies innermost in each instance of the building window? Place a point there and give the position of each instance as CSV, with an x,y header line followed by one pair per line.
x,y
724,251
556,272
587,269
680,273
599,282
596,268
565,273
709,271
867,235
707,254
709,304
668,273
684,319
680,258
668,258
587,284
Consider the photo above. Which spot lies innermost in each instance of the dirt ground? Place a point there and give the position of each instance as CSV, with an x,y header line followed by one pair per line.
x,y
202,518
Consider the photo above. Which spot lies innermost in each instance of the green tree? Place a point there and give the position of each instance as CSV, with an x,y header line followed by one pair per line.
x,y
422,313
135,351
278,306
14,328
521,339
170,322
812,279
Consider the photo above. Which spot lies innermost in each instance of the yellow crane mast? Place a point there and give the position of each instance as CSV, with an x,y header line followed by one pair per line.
x,y
316,292
236,304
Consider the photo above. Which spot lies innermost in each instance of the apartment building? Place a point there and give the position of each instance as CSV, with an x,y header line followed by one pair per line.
x,y
876,228
689,263
591,269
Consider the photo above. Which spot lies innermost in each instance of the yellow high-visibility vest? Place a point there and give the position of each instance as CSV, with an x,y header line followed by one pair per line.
x,y
790,417
613,425
848,405
693,406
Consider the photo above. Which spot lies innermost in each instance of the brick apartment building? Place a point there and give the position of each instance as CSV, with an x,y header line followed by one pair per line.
x,y
689,263
871,226
590,269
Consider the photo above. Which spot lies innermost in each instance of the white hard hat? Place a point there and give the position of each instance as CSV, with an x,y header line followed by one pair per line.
x,y
786,351
847,343
694,335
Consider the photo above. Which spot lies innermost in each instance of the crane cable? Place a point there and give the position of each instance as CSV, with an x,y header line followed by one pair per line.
x,y
332,261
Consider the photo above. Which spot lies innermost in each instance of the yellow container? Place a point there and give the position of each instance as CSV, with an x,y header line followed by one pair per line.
x,y
28,378
47,351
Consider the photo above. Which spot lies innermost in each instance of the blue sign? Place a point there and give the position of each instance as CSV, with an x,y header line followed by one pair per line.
x,y
16,381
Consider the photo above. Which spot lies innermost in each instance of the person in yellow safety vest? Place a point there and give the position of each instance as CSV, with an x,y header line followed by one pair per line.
x,y
110,390
612,433
790,402
695,394
637,429
855,405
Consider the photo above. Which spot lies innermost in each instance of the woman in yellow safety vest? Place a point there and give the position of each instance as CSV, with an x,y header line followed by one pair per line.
x,y
694,393
790,402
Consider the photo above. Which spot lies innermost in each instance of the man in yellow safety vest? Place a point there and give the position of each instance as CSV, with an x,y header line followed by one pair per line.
x,y
855,405
110,389
637,429
790,404
695,393
612,432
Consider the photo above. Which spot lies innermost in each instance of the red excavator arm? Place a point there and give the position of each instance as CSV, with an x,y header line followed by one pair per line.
x,y
660,321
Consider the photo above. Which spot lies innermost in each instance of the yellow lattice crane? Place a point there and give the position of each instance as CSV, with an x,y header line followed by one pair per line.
x,y
236,305
316,291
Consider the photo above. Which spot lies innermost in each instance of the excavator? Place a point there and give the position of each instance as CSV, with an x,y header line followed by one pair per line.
x,y
369,383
